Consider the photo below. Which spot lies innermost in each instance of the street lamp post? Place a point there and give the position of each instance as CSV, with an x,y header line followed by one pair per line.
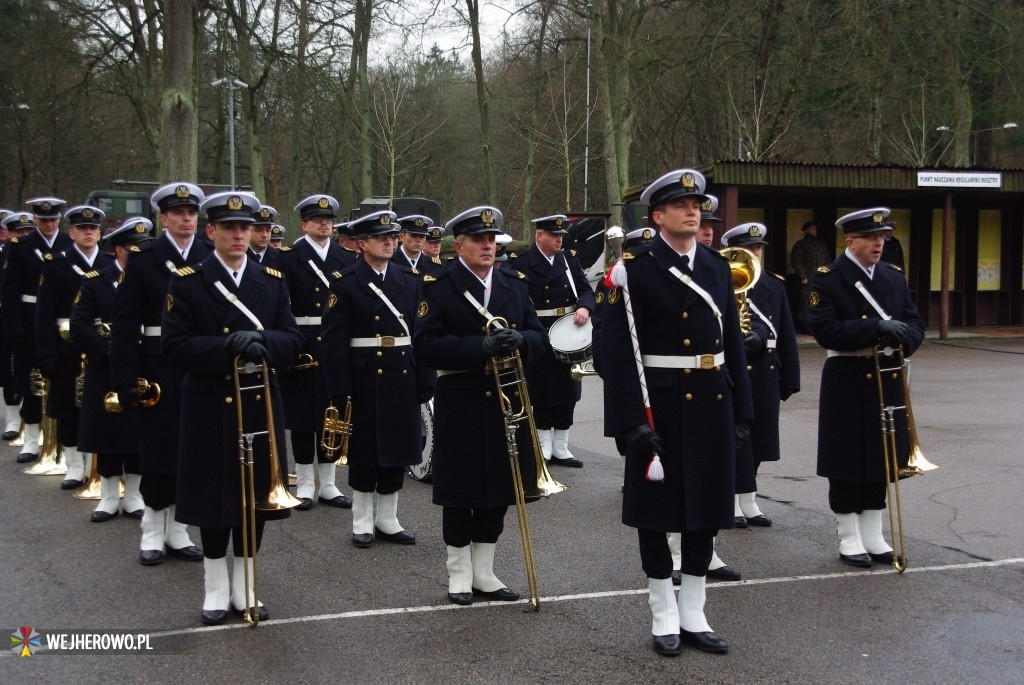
x,y
974,145
231,84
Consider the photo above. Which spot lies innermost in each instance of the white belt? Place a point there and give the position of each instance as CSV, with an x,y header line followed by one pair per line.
x,y
151,331
771,343
307,320
561,311
867,353
31,299
382,341
449,372
678,361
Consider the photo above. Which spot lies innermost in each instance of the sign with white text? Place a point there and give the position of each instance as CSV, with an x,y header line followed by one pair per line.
x,y
958,179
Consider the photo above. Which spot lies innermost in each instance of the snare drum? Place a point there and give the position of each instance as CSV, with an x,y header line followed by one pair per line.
x,y
423,472
571,344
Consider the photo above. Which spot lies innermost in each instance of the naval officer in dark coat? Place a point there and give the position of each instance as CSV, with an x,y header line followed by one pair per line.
x,y
368,356
471,470
849,321
135,353
225,307
773,365
558,288
688,332
114,437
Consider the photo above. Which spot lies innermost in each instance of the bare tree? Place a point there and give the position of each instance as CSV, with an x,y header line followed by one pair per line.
x,y
179,122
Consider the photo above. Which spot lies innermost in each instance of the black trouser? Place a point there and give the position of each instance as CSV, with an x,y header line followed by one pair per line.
x,y
158,490
656,557
31,405
385,480
558,417
11,396
110,464
459,527
845,497
304,445
215,541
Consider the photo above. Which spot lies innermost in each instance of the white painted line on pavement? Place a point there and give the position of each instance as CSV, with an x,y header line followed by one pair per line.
x,y
585,595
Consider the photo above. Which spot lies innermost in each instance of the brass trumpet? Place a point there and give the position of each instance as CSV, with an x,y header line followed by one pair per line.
x,y
305,362
746,269
585,368
336,432
277,496
514,398
916,463
146,395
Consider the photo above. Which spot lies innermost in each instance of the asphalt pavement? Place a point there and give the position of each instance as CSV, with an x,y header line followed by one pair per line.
x,y
380,615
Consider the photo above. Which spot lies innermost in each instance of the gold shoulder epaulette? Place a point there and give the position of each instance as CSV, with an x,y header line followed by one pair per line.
x,y
134,248
14,240
91,274
627,255
781,278
427,278
186,271
895,267
520,274
48,256
435,260
335,275
823,269
513,255
572,252
286,248
273,272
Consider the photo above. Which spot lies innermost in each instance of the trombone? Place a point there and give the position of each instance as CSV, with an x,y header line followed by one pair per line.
x,y
336,432
277,497
509,376
916,463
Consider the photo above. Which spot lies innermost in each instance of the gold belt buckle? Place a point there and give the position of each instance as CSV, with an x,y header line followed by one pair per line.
x,y
707,361
387,340
560,311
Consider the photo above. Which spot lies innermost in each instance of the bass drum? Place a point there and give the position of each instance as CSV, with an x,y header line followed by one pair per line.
x,y
421,472
570,343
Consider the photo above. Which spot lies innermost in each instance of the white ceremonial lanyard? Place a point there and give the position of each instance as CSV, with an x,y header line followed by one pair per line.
x,y
77,269
753,308
482,309
384,298
170,267
871,300
689,282
319,273
233,299
568,274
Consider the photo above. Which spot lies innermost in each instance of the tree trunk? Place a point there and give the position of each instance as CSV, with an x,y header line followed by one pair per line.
x,y
532,133
179,121
473,6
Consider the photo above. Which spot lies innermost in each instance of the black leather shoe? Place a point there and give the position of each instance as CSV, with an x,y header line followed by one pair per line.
x,y
461,598
68,484
264,614
137,514
213,617
677,577
10,435
102,516
667,645
883,558
724,573
760,521
501,594
705,642
740,522
858,560
151,557
190,553
26,457
306,505
341,502
402,537
362,540
571,463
